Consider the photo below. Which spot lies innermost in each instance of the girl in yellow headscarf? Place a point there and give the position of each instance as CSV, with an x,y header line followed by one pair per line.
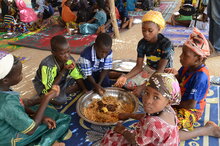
x,y
157,49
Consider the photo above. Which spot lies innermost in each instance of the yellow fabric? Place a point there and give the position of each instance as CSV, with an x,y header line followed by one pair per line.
x,y
193,2
156,17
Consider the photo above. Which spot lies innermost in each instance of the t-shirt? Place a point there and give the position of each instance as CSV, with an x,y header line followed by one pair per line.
x,y
13,119
195,85
162,49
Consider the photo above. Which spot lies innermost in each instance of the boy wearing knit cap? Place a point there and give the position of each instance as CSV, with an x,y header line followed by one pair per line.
x,y
157,49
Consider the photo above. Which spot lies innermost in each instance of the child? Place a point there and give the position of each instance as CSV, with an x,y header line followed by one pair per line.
x,y
131,5
157,49
158,126
67,15
95,62
82,15
193,77
22,126
58,69
123,14
94,25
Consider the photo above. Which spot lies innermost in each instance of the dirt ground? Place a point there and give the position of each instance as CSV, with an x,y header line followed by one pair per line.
x,y
123,48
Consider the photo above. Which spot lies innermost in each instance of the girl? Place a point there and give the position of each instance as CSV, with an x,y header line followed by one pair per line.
x,y
22,126
193,77
82,15
157,48
94,25
158,126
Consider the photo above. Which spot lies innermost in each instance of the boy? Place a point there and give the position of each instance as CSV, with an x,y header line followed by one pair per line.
x,y
22,126
58,69
95,62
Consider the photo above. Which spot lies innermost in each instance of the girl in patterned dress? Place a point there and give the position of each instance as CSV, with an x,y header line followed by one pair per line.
x,y
158,126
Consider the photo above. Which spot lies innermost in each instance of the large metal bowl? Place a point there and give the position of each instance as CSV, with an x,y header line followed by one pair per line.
x,y
119,93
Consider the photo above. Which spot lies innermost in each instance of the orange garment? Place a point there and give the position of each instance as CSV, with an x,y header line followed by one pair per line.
x,y
117,13
67,14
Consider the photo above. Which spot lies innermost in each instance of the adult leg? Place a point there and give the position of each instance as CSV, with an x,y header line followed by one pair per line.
x,y
210,129
216,36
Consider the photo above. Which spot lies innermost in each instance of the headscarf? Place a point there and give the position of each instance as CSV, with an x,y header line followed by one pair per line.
x,y
6,64
155,17
198,43
167,85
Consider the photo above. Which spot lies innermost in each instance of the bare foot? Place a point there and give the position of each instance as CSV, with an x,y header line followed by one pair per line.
x,y
214,129
125,24
58,144
130,22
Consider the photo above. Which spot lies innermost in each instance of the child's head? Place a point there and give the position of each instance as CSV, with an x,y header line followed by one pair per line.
x,y
153,22
68,3
103,45
11,70
100,4
195,50
60,48
161,90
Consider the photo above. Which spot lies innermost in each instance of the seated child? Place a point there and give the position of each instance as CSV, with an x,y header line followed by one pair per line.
x,y
158,125
123,14
131,5
157,49
100,18
20,125
67,15
82,15
95,62
58,69
193,77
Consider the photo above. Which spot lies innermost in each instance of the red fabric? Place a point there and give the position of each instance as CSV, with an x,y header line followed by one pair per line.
x,y
117,13
151,130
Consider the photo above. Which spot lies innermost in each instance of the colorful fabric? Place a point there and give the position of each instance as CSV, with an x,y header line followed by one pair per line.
x,y
195,86
162,49
122,10
26,14
46,74
167,85
15,123
6,64
140,78
8,19
156,17
89,62
67,14
187,118
91,28
183,18
198,43
150,130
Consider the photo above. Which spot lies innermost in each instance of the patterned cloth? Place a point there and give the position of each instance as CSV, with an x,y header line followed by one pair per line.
x,y
198,43
151,130
187,118
89,62
167,85
162,49
155,17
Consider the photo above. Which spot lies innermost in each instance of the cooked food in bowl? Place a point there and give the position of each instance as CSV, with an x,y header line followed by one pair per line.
x,y
106,110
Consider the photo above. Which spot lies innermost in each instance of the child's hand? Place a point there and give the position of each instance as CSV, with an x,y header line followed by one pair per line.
x,y
120,81
54,92
119,128
98,89
138,90
51,124
124,116
171,70
70,65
